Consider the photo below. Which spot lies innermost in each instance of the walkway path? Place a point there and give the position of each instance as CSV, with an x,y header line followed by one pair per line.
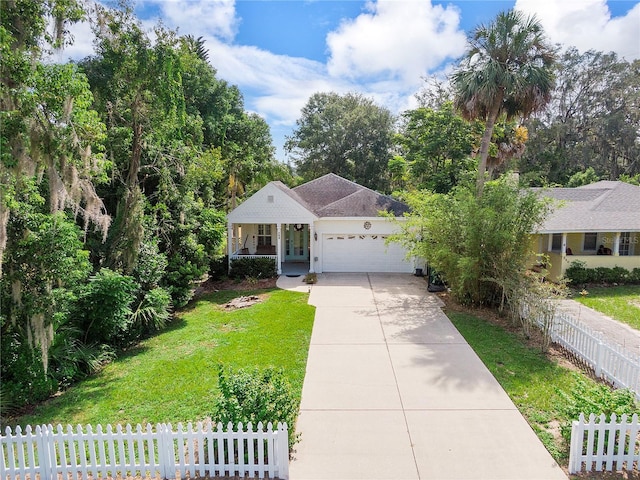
x,y
613,330
393,391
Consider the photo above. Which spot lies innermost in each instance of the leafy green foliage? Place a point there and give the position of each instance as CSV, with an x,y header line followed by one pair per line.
x,y
171,376
579,274
103,309
153,312
590,122
23,377
348,135
507,71
71,360
253,268
256,396
436,145
480,246
588,397
579,179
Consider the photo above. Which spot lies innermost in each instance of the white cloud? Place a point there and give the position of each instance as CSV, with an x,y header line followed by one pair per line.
x,y
587,25
213,17
398,39
280,85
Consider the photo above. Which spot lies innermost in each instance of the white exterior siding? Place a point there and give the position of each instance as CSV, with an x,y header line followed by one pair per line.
x,y
345,245
270,205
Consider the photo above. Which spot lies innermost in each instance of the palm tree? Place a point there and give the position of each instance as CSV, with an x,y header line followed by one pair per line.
x,y
507,70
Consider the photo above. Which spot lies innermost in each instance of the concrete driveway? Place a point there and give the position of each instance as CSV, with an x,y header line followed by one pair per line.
x,y
393,391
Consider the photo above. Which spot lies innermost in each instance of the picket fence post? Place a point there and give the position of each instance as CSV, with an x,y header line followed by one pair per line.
x,y
44,456
599,358
165,449
283,450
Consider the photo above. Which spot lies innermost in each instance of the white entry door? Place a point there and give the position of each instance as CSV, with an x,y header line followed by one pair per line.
x,y
362,253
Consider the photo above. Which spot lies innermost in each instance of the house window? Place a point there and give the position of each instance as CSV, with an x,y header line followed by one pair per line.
x,y
590,241
625,243
264,235
556,242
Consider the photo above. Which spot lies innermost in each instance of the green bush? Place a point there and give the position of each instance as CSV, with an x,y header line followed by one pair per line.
x,y
590,398
479,245
218,267
579,274
23,378
253,268
256,396
103,310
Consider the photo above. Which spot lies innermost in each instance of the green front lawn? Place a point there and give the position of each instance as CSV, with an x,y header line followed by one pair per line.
x,y
172,376
529,377
621,302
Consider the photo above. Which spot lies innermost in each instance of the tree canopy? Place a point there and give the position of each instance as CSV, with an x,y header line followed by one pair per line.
x,y
348,135
141,140
507,70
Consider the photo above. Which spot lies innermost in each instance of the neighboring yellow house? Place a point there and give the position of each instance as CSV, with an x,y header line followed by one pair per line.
x,y
598,224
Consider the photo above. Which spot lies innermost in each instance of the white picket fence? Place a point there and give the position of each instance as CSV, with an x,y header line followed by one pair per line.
x,y
204,450
609,361
606,444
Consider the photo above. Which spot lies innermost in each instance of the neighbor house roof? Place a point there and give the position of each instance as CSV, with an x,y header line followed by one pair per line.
x,y
604,206
334,196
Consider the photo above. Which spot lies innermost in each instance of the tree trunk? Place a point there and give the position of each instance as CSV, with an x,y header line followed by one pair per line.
x,y
484,146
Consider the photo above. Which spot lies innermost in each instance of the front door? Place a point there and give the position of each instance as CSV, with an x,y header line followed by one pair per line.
x,y
296,242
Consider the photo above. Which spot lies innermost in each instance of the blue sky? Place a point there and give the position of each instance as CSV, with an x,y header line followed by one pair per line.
x,y
280,52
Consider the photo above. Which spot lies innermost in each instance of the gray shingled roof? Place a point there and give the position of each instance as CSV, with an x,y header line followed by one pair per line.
x,y
334,196
604,206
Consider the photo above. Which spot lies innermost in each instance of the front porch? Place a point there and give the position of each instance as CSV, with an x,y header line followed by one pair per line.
x,y
289,245
594,249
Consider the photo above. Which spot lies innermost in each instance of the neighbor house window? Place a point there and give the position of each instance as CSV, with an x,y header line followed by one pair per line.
x,y
590,241
556,242
625,243
264,235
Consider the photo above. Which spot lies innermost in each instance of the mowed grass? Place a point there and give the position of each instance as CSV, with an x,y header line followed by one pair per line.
x,y
172,376
529,377
621,302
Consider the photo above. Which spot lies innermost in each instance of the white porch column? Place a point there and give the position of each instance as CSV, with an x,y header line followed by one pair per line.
x,y
616,245
550,243
312,241
564,244
229,244
279,248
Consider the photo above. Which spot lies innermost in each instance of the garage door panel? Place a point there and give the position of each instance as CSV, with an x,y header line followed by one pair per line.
x,y
362,253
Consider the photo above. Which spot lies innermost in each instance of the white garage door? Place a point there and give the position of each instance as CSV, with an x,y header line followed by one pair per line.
x,y
362,253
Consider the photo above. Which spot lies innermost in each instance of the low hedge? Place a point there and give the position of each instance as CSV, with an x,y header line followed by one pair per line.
x,y
253,268
579,274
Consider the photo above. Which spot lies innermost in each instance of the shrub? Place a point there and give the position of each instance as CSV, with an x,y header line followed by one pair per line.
x,y
218,267
579,274
256,396
153,311
103,309
479,246
23,378
253,268
590,398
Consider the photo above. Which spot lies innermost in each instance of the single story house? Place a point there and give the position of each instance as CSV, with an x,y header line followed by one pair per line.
x,y
329,224
598,224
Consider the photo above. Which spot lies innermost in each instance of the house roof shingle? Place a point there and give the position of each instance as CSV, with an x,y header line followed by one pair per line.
x,y
605,206
334,196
